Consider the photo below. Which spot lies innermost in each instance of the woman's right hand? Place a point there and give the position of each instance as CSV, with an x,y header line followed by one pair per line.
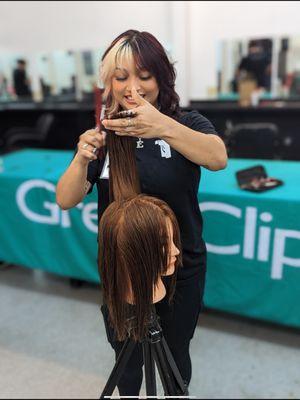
x,y
89,144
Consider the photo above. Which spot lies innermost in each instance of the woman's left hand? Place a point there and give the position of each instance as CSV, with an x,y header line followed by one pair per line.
x,y
147,123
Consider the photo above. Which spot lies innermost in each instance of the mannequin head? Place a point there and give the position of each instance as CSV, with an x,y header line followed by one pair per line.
x,y
139,242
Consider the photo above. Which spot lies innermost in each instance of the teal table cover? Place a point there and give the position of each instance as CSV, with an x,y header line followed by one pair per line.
x,y
253,239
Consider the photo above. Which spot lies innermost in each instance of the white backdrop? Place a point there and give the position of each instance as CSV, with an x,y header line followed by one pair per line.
x,y
191,29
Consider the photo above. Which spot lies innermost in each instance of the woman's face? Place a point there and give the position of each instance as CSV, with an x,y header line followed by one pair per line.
x,y
174,252
125,77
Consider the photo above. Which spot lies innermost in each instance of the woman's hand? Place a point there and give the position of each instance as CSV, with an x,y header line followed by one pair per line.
x,y
89,144
147,123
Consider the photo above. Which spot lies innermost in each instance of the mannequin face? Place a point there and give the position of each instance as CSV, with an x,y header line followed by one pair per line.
x,y
125,77
174,252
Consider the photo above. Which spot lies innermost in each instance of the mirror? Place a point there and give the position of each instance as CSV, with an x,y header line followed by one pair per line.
x,y
5,79
244,63
15,78
62,65
289,67
45,73
88,64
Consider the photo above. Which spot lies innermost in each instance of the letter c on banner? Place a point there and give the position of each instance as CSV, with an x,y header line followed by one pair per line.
x,y
227,209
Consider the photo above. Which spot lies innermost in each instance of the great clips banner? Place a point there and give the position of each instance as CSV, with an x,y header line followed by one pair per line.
x,y
253,240
34,231
253,258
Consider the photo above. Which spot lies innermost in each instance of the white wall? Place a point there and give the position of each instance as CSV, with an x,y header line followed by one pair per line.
x,y
52,25
27,27
191,28
211,21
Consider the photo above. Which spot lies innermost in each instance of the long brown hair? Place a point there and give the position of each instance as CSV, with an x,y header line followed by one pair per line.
x,y
133,241
134,249
123,174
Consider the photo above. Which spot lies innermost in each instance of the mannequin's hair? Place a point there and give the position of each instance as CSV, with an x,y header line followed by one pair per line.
x,y
134,252
123,174
147,53
134,245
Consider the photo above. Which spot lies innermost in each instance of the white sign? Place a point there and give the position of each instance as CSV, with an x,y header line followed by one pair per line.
x,y
55,216
265,249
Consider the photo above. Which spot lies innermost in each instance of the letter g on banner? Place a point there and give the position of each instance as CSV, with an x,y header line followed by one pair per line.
x,y
227,209
22,191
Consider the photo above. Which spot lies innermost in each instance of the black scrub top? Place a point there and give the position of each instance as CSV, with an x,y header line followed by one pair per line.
x,y
20,83
168,175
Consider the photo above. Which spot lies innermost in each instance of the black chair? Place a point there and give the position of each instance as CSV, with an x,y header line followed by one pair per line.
x,y
253,140
23,136
291,145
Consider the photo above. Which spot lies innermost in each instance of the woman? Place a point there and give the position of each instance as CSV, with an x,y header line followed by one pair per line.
x,y
170,148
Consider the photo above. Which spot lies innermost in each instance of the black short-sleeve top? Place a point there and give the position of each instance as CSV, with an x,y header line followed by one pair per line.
x,y
168,175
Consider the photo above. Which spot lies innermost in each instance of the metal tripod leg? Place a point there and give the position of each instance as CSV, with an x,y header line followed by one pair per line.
x,y
169,374
149,369
165,374
155,348
174,367
119,367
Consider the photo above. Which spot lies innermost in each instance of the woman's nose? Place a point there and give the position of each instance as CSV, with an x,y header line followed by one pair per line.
x,y
133,83
175,251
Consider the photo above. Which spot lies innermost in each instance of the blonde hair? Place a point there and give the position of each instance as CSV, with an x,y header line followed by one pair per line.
x,y
119,53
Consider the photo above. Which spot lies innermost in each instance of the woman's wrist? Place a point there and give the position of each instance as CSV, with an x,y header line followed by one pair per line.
x,y
81,161
168,125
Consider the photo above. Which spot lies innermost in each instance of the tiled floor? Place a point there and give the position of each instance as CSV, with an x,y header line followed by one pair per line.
x,y
53,345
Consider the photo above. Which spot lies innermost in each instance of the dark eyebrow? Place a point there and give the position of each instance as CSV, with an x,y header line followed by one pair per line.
x,y
125,70
121,69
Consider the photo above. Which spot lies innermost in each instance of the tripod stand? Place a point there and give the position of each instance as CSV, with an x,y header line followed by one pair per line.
x,y
155,349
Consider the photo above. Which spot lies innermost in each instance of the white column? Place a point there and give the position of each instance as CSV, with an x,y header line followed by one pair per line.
x,y
180,47
33,74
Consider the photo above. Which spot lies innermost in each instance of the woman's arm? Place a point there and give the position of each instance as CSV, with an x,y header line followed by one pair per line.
x,y
73,185
207,150
203,149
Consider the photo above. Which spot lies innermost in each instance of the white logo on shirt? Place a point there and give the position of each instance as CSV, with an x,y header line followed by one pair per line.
x,y
105,170
139,143
165,149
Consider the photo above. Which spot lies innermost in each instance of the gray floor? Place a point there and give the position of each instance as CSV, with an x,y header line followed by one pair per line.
x,y
53,345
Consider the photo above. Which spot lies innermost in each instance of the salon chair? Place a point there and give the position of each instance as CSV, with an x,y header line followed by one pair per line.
x,y
253,140
24,136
